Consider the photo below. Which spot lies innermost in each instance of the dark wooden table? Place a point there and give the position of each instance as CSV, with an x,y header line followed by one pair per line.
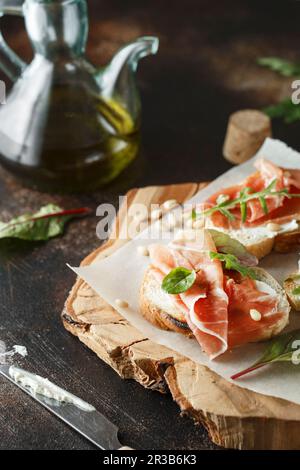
x,y
206,68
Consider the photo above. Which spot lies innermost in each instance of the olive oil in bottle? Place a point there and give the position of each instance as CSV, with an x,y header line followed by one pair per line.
x,y
68,125
82,142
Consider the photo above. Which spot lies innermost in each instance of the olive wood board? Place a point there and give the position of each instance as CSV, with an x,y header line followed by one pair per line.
x,y
233,416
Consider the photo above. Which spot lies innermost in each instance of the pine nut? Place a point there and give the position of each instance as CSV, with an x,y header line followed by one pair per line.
x,y
255,314
121,303
143,250
273,227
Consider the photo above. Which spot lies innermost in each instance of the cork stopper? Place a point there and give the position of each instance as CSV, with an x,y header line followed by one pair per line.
x,y
247,129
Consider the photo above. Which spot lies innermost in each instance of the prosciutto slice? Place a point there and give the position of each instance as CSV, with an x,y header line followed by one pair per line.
x,y
206,301
267,172
217,307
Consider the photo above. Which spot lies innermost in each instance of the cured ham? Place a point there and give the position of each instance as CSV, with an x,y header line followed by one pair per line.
x,y
279,208
206,302
217,306
245,296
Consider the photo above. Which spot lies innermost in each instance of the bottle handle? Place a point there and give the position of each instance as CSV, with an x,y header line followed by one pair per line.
x,y
10,62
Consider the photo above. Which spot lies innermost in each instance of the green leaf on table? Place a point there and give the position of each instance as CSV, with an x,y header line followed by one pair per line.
x,y
231,262
178,280
286,110
48,222
227,245
283,348
296,291
282,66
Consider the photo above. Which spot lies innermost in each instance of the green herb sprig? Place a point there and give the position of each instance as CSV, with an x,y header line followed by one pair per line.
x,y
281,66
230,246
284,348
232,262
181,279
225,205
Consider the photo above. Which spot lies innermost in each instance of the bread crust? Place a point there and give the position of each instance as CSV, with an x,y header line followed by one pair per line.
x,y
281,243
261,248
158,317
287,242
289,285
155,315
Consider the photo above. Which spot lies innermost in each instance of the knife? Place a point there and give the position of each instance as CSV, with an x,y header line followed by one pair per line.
x,y
89,423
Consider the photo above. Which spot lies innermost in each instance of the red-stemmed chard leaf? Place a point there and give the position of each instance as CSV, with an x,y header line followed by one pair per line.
x,y
46,223
283,348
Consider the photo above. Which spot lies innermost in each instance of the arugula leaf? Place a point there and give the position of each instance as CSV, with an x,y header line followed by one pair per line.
x,y
227,213
178,280
282,66
47,223
286,110
243,206
225,244
263,205
245,196
232,262
296,291
283,348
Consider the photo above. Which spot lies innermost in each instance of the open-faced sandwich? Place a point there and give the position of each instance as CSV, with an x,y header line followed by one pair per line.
x,y
262,211
210,288
292,288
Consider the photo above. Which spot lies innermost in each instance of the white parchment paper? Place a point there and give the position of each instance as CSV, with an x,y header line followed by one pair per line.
x,y
120,275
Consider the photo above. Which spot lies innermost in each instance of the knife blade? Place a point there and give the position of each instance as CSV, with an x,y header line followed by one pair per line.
x,y
91,424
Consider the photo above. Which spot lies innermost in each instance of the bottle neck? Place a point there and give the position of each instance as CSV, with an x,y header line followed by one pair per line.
x,y
57,28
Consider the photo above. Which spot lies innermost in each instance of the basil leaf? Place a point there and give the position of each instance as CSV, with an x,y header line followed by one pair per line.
x,y
296,291
178,280
47,223
225,244
231,262
283,348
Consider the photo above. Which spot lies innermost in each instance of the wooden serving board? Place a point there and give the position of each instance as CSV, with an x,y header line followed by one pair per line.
x,y
234,417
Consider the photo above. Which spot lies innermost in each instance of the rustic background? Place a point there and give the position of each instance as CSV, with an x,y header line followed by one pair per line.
x,y
206,69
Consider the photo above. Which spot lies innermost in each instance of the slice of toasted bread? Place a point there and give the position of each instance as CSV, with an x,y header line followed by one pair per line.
x,y
289,285
260,241
157,307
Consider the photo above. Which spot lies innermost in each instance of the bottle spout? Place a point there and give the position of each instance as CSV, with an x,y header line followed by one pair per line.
x,y
118,78
130,54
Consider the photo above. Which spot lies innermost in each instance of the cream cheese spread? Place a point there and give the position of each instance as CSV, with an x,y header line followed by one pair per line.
x,y
41,386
